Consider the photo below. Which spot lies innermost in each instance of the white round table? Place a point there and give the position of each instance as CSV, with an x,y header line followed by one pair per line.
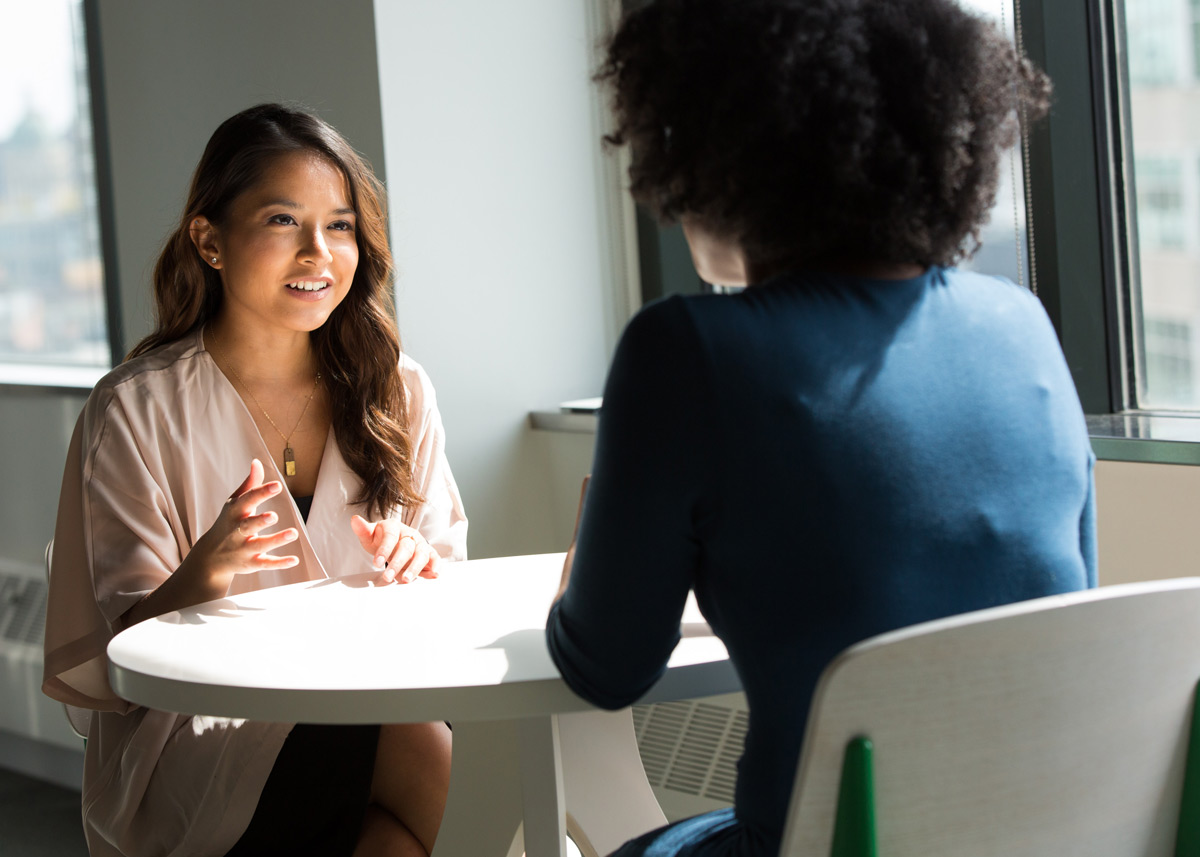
x,y
468,648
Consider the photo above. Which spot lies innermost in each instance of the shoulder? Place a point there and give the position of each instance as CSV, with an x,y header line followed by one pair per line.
x,y
662,358
159,376
677,313
990,288
664,327
418,388
1000,305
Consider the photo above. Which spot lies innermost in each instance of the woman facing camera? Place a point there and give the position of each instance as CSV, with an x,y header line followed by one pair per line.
x,y
268,431
866,437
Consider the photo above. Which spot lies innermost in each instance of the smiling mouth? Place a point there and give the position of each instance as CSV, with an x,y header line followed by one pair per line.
x,y
308,285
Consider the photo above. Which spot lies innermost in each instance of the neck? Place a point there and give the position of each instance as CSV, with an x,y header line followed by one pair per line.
x,y
867,269
873,270
258,356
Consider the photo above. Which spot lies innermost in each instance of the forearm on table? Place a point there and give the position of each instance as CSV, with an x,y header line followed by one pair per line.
x,y
187,587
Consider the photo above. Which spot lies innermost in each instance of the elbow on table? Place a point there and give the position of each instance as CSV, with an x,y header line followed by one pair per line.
x,y
610,698
605,677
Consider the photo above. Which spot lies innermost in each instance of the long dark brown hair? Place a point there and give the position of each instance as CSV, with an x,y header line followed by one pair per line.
x,y
358,347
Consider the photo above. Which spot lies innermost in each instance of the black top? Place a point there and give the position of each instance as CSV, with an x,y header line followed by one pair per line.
x,y
305,506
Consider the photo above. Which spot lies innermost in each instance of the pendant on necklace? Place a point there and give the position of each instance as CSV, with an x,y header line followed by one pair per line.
x,y
289,461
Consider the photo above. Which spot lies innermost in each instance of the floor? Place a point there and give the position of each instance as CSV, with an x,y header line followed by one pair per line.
x,y
38,819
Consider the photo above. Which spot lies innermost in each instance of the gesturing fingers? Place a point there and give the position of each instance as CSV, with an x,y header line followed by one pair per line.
x,y
250,527
246,548
430,570
260,548
252,480
399,553
390,544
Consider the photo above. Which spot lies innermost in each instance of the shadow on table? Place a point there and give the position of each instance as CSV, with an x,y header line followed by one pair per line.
x,y
528,656
225,608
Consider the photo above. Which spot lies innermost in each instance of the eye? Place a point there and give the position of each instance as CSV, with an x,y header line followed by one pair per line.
x,y
282,219
342,226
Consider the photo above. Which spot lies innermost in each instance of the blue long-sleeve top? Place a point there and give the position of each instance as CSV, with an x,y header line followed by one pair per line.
x,y
821,458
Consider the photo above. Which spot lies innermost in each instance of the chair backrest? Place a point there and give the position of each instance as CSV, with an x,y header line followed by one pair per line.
x,y
79,718
1058,726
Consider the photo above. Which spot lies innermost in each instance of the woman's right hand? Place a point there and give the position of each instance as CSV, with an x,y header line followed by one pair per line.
x,y
234,544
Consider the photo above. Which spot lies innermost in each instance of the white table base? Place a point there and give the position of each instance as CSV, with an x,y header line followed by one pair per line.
x,y
578,774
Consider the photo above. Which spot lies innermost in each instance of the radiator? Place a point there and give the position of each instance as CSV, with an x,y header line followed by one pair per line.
x,y
24,710
690,750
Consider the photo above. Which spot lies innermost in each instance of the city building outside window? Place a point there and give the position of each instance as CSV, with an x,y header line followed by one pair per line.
x,y
53,316
1169,362
1162,41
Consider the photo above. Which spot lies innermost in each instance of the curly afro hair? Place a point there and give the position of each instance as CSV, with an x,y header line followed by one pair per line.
x,y
820,130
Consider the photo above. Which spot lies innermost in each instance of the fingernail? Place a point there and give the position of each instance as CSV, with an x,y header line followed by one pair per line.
x,y
409,575
272,517
380,562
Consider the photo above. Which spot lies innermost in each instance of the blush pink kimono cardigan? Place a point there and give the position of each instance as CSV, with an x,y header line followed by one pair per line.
x,y
162,442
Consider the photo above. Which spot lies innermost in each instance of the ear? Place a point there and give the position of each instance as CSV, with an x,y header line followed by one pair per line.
x,y
204,237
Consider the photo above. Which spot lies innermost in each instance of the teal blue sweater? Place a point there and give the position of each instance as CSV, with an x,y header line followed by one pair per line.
x,y
821,458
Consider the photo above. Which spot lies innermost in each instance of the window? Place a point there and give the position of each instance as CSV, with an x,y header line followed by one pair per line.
x,y
1168,361
1160,206
1157,42
1004,240
53,312
1164,145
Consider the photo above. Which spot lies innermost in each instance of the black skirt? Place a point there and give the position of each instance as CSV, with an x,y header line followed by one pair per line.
x,y
316,796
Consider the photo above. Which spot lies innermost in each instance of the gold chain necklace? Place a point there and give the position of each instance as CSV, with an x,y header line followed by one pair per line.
x,y
289,457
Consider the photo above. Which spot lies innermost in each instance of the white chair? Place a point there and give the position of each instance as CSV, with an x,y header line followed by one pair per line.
x,y
1053,727
78,718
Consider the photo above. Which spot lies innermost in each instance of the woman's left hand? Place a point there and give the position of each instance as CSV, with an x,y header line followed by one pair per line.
x,y
400,552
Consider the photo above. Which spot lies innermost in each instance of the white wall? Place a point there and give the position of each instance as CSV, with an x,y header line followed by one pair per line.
x,y
498,222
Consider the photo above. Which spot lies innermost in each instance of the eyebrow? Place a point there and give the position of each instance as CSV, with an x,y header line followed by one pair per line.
x,y
287,203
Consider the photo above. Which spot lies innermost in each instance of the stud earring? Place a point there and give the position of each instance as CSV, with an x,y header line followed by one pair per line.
x,y
214,260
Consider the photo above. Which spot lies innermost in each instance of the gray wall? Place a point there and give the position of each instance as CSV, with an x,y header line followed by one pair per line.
x,y
173,71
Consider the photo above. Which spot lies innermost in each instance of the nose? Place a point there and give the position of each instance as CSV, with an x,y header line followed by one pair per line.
x,y
315,250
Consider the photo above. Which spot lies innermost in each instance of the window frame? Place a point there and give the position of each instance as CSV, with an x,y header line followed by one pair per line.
x,y
1086,260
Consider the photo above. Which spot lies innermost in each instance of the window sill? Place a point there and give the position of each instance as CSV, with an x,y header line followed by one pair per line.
x,y
1138,437
26,377
564,421
1152,438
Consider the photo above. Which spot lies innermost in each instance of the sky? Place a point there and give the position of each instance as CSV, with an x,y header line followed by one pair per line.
x,y
36,64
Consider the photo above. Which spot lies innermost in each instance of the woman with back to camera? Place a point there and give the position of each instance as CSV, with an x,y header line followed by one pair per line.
x,y
866,437
268,431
